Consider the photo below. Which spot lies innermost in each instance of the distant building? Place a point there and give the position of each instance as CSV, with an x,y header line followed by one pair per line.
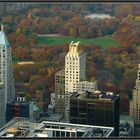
x,y
75,65
59,92
86,86
126,127
6,75
41,100
71,79
21,109
51,106
134,109
21,127
6,71
2,106
97,108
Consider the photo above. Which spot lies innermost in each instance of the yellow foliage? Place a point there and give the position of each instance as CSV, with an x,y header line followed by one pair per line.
x,y
109,84
130,15
137,18
50,71
18,30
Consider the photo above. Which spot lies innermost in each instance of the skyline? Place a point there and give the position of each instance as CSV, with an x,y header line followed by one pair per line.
x,y
62,49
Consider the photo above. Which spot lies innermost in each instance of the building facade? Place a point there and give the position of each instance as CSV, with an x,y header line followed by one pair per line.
x,y
134,109
6,71
2,106
59,92
86,86
75,66
21,109
96,108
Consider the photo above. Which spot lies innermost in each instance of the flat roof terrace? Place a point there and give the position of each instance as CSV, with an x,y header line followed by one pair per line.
x,y
21,127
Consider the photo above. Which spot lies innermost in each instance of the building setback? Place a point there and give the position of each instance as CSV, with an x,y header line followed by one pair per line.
x,y
96,108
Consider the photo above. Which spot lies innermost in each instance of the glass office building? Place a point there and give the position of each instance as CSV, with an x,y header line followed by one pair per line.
x,y
98,108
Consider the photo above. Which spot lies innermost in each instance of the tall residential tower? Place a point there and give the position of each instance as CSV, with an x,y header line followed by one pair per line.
x,y
74,73
134,109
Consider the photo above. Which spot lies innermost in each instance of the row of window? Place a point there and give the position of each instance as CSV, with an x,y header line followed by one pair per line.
x,y
71,58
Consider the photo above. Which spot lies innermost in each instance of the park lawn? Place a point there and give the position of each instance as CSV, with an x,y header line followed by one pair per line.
x,y
104,42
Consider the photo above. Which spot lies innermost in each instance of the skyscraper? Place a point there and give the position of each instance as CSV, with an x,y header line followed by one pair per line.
x,y
6,72
134,109
59,92
74,72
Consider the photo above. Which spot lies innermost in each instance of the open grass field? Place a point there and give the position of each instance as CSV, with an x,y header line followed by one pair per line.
x,y
104,42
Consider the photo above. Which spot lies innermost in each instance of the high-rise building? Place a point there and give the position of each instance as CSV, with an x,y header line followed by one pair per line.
x,y
2,106
134,109
6,71
74,72
59,92
98,108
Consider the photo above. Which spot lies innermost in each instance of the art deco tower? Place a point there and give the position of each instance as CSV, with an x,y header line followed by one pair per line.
x,y
134,109
6,72
74,73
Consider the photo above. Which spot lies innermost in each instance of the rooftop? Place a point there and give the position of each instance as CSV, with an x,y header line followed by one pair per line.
x,y
95,95
21,127
126,126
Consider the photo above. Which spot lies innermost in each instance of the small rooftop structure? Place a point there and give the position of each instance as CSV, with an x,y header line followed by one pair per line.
x,y
126,127
100,95
21,127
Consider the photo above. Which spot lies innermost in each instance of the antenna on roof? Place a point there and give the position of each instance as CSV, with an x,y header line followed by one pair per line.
x,y
2,27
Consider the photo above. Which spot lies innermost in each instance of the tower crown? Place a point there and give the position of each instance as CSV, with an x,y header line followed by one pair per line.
x,y
3,39
73,49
